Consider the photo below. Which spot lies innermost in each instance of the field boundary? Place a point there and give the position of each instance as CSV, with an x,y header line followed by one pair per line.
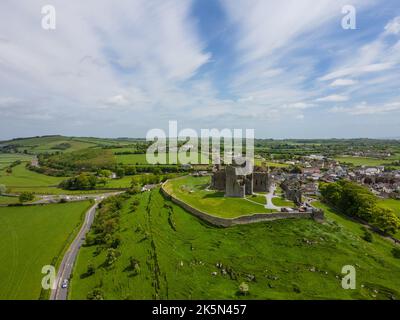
x,y
315,214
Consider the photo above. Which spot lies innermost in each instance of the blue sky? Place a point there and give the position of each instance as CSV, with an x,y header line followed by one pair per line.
x,y
284,68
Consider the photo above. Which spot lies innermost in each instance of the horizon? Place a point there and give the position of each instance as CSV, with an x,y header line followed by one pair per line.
x,y
144,138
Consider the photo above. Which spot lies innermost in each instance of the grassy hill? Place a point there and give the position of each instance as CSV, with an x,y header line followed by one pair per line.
x,y
54,143
30,238
181,257
192,190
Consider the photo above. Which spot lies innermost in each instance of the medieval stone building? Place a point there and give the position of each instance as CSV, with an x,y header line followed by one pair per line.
x,y
293,190
239,183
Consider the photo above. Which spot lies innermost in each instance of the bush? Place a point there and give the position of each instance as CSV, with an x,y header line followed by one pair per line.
x,y
111,257
396,253
96,294
244,288
26,197
368,236
84,181
90,269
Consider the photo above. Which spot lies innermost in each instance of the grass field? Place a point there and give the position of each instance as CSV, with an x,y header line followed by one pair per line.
x,y
192,191
49,144
257,198
391,204
30,238
139,159
360,161
278,201
7,158
8,200
287,259
259,162
22,177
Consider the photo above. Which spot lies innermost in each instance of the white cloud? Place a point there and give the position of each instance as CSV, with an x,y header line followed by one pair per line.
x,y
133,55
357,70
365,109
393,27
343,82
333,98
266,26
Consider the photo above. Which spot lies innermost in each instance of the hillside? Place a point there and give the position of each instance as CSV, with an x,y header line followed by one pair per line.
x,y
181,257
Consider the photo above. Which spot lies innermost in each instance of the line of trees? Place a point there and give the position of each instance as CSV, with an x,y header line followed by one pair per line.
x,y
357,201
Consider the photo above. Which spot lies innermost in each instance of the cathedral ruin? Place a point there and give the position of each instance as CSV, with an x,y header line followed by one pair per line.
x,y
240,180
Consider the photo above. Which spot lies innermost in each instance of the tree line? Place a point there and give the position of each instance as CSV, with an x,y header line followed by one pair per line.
x,y
357,201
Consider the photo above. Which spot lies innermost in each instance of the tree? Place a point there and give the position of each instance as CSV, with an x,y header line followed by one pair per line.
x,y
135,187
386,220
3,189
83,181
120,172
90,269
111,257
26,197
104,173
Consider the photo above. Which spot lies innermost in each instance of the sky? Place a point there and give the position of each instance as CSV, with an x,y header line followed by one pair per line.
x,y
287,69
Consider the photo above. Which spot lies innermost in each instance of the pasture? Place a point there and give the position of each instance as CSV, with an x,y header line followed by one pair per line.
x,y
138,159
22,177
181,257
360,161
30,238
7,158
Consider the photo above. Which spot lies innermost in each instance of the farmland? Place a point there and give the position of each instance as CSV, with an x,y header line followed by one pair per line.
x,y
30,238
181,257
8,158
362,161
192,190
22,178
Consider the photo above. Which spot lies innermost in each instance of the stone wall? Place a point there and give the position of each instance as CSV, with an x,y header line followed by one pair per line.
x,y
258,217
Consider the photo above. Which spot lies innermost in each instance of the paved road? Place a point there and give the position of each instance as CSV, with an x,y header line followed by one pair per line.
x,y
44,199
269,197
67,264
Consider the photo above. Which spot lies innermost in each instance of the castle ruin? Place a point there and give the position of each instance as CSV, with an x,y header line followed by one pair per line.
x,y
237,181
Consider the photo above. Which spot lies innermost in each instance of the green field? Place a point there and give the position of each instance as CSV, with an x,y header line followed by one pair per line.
x,y
360,161
286,259
7,158
8,200
138,159
278,201
259,162
30,238
257,198
22,177
391,204
192,190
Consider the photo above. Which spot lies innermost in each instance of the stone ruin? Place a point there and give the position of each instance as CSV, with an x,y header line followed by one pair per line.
x,y
237,181
293,191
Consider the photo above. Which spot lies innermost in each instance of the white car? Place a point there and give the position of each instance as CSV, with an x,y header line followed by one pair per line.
x,y
64,284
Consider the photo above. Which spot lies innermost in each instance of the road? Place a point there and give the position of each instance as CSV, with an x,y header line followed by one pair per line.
x,y
45,199
269,197
67,264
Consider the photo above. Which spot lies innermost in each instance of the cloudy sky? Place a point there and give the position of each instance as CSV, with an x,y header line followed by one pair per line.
x,y
119,68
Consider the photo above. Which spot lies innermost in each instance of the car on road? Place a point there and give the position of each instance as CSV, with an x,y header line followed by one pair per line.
x,y
64,284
